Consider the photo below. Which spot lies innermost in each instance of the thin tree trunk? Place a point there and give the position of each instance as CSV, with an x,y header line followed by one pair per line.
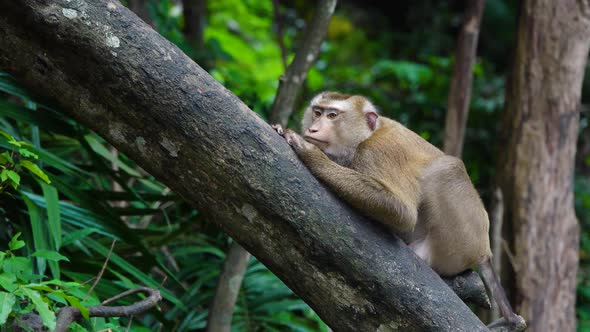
x,y
141,9
292,81
460,92
536,161
195,12
228,288
148,99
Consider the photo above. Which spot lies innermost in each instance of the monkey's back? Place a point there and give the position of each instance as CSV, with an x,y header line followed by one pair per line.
x,y
451,232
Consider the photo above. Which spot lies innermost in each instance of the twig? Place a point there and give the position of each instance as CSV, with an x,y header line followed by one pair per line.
x,y
291,83
510,255
67,315
104,266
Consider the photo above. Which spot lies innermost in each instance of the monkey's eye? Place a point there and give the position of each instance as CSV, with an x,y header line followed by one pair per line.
x,y
332,115
317,113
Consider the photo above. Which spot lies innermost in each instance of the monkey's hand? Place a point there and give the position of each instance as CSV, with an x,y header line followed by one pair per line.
x,y
278,128
293,139
298,144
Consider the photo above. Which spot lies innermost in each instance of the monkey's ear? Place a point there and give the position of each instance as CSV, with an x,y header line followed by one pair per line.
x,y
372,119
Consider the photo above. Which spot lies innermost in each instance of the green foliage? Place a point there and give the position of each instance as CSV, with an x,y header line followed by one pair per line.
x,y
21,295
14,160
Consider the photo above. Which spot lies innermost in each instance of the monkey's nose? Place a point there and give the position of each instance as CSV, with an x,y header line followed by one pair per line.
x,y
312,130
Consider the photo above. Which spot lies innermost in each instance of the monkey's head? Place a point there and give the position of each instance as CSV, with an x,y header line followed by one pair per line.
x,y
337,123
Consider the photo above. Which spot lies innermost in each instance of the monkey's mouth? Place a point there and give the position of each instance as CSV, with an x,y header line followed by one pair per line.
x,y
315,141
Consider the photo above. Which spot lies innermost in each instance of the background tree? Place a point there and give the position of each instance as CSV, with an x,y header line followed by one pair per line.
x,y
537,157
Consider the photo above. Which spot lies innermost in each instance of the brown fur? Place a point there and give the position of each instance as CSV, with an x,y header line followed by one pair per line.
x,y
394,176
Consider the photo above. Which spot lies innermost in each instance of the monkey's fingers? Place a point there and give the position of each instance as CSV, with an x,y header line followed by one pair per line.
x,y
292,138
278,128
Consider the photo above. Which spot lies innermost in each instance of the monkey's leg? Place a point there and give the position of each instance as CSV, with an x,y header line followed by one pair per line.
x,y
491,280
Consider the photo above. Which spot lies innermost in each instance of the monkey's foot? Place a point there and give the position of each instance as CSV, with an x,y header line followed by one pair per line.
x,y
501,325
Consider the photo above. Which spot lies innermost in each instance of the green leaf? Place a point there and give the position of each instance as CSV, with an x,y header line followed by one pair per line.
x,y
42,308
101,150
6,159
8,281
35,170
13,176
39,231
21,267
15,142
74,302
15,243
52,201
27,153
50,255
74,236
7,301
6,135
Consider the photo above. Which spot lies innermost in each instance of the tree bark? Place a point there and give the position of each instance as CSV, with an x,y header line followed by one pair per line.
x,y
536,161
230,280
460,92
297,71
107,69
228,288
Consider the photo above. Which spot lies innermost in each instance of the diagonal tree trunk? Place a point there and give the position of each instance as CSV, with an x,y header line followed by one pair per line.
x,y
234,268
537,158
110,71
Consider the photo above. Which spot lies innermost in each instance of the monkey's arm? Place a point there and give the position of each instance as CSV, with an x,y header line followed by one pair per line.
x,y
370,195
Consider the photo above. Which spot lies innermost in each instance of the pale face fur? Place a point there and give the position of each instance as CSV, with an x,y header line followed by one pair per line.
x,y
337,124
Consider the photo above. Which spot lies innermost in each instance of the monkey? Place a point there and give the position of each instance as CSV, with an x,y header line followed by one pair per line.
x,y
397,178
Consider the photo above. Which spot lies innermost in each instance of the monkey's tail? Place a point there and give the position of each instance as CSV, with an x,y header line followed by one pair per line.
x,y
495,287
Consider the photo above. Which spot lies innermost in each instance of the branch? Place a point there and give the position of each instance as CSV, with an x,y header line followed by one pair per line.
x,y
460,92
280,38
110,71
67,315
470,288
292,81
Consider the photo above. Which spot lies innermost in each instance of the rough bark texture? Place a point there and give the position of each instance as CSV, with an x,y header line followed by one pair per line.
x,y
113,73
460,92
228,288
230,280
296,73
537,158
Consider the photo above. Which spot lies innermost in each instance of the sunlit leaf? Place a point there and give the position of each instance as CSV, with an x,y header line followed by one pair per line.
x,y
42,308
8,281
50,255
35,170
7,301
15,243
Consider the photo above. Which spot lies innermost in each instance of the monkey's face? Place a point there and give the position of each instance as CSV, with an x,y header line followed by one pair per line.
x,y
338,123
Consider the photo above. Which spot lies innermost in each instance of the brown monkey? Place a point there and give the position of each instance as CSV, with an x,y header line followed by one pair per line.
x,y
396,177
